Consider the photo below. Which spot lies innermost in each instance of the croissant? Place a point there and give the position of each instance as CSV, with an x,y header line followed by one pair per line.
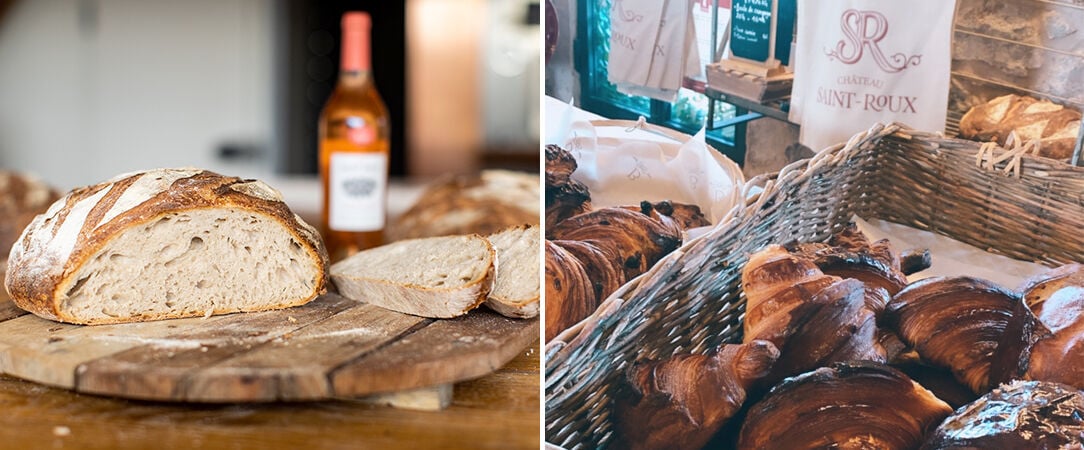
x,y
938,380
610,245
559,165
565,197
813,319
979,330
569,296
775,282
603,270
1057,296
849,254
847,406
637,240
681,402
1053,283
1022,415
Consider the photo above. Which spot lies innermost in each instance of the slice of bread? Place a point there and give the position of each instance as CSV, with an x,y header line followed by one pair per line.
x,y
438,277
165,243
516,291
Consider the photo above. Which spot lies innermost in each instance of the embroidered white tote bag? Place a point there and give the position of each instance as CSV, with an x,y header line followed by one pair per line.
x,y
860,62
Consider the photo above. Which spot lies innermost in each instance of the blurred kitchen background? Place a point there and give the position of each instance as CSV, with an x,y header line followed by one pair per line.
x,y
93,88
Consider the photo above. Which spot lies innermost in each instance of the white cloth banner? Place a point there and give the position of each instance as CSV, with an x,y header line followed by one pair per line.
x,y
652,47
860,62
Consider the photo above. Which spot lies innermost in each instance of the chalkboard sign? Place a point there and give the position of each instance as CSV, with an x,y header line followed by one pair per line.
x,y
751,29
786,14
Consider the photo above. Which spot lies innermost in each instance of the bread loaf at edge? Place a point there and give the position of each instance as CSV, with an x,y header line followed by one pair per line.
x,y
22,197
484,203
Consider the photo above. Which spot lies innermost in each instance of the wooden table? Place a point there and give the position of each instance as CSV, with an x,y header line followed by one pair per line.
x,y
499,411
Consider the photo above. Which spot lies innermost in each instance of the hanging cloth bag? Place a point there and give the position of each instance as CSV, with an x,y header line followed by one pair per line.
x,y
860,62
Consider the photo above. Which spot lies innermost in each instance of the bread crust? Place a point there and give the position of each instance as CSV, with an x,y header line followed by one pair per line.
x,y
524,308
43,262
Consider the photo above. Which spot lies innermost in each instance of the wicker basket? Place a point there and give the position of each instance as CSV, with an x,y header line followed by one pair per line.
x,y
691,301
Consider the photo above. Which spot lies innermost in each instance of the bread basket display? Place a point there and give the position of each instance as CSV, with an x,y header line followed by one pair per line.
x,y
619,196
1024,207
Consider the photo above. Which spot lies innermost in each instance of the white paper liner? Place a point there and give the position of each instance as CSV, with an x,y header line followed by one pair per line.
x,y
621,166
949,256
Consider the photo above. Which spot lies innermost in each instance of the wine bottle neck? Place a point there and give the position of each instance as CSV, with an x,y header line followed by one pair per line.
x,y
355,44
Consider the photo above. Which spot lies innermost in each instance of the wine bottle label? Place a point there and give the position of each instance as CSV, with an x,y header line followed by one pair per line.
x,y
356,190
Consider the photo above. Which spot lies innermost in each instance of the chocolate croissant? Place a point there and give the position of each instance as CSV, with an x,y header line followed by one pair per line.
x,y
850,254
846,406
565,197
975,328
603,269
559,165
1057,297
683,215
566,201
569,294
681,402
637,240
1022,415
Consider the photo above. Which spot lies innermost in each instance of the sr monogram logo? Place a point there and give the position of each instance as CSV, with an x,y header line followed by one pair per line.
x,y
862,31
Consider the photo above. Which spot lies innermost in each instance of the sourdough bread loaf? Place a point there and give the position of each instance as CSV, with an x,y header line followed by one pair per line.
x,y
517,288
477,204
165,243
1053,126
438,277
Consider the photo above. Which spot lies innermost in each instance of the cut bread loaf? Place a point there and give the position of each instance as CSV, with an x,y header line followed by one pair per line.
x,y
439,277
166,243
517,287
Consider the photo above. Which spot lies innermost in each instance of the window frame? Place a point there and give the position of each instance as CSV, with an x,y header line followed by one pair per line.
x,y
659,112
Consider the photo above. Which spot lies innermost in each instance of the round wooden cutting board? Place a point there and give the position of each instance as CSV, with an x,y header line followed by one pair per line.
x,y
330,348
